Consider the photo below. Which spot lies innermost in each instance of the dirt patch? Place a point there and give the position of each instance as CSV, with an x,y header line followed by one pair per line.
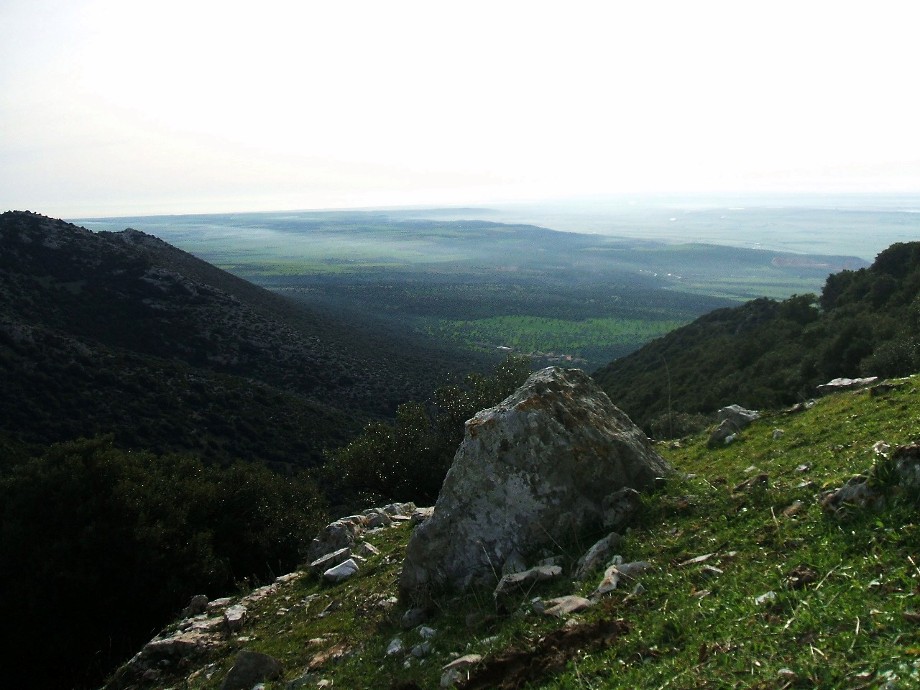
x,y
514,668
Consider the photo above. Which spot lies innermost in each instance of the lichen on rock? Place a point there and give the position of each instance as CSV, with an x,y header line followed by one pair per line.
x,y
532,471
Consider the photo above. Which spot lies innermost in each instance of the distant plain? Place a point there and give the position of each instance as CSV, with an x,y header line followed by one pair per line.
x,y
607,277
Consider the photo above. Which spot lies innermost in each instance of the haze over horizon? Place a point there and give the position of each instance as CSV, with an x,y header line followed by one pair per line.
x,y
111,108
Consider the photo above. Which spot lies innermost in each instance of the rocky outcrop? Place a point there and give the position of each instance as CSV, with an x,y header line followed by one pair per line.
x,y
532,471
732,419
845,384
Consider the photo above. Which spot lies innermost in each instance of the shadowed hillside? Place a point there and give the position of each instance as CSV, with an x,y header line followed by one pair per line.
x,y
770,353
122,333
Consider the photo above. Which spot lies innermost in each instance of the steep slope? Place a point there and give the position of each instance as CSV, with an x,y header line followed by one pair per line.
x,y
767,353
753,579
122,333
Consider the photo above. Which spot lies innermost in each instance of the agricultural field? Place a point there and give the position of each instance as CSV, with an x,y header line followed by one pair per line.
x,y
488,287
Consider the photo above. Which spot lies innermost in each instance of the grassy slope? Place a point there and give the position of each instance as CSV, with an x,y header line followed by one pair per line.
x,y
687,629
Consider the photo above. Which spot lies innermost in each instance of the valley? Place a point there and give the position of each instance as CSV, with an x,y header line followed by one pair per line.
x,y
486,288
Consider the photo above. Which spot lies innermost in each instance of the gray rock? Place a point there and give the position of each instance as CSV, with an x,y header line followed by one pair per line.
x,y
330,560
617,573
421,650
515,582
738,416
401,509
336,535
413,618
845,384
598,554
620,506
219,603
234,617
563,606
251,668
377,518
395,647
419,515
426,632
366,550
198,604
732,419
341,572
530,472
458,669
513,564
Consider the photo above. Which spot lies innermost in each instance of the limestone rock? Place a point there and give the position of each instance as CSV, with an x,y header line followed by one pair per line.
x,y
563,606
458,669
198,604
341,572
337,535
732,419
531,471
739,416
249,669
234,617
514,582
330,560
617,573
601,552
845,384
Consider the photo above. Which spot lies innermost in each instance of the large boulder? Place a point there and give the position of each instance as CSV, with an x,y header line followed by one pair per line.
x,y
532,472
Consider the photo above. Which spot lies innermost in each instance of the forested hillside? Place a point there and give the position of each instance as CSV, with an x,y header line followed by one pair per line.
x,y
121,333
769,353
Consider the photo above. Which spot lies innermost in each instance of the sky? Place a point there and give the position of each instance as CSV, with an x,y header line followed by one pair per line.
x,y
130,107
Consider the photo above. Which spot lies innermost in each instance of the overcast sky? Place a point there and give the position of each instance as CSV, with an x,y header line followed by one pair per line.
x,y
115,107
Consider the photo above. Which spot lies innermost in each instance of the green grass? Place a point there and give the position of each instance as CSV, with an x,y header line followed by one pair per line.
x,y
528,334
688,628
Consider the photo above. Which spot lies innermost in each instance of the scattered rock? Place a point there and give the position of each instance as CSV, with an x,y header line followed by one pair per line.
x,y
251,668
336,535
421,650
458,669
696,560
366,550
844,384
738,416
616,573
563,606
765,598
234,617
198,604
376,518
395,647
800,407
341,572
599,553
419,515
223,602
778,434
329,560
427,633
732,419
413,618
530,472
516,582
856,493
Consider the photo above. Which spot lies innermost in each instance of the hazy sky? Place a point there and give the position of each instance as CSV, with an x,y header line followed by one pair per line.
x,y
129,107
